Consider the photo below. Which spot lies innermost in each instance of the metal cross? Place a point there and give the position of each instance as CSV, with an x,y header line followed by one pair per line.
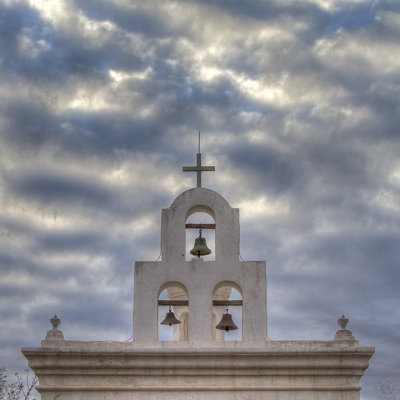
x,y
199,169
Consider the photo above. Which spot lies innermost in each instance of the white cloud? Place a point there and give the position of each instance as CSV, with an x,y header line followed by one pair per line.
x,y
30,48
331,5
262,207
348,51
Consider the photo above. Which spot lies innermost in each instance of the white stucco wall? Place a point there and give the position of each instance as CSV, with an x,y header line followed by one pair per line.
x,y
199,368
200,277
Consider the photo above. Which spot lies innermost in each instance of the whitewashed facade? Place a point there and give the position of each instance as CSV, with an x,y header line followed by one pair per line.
x,y
199,362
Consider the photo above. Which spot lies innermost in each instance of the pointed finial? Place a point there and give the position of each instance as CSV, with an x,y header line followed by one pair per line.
x,y
55,321
54,334
344,336
342,322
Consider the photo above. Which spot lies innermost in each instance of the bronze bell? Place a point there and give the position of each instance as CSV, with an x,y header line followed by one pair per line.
x,y
200,247
226,323
170,318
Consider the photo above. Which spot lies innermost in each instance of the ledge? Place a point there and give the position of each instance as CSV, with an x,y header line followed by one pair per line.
x,y
218,347
192,388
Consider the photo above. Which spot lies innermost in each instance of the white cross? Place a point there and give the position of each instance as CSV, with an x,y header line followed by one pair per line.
x,y
199,169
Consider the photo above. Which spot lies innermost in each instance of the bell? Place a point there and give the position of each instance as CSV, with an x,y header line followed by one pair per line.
x,y
200,247
226,323
170,318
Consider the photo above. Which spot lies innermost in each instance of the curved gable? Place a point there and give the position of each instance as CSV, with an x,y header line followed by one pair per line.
x,y
200,200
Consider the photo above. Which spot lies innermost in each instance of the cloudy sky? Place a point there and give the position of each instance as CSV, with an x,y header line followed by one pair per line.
x,y
298,105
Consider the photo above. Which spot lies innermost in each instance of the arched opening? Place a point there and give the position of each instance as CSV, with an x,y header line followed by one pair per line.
x,y
227,295
200,217
173,295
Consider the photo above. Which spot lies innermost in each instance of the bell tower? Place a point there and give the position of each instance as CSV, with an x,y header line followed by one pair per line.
x,y
185,343
204,287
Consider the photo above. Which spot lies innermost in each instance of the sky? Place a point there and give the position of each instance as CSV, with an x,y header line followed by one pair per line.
x,y
298,104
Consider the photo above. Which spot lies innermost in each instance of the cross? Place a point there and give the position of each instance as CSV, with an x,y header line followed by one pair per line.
x,y
198,168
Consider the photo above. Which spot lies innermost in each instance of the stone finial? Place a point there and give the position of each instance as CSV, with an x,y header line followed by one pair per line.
x,y
343,335
342,321
55,321
55,333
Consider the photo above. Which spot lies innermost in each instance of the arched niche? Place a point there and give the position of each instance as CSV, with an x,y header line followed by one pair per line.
x,y
173,294
173,227
229,294
200,209
200,215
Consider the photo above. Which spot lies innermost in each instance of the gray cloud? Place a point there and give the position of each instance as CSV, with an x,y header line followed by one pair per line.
x,y
298,105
